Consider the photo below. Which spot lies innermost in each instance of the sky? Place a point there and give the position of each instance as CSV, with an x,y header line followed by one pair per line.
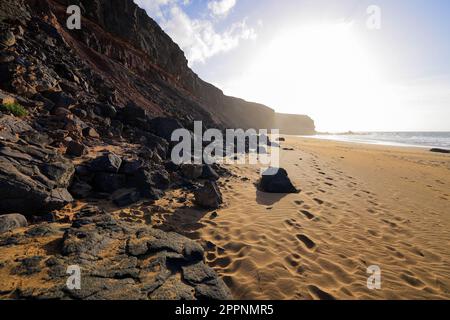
x,y
358,65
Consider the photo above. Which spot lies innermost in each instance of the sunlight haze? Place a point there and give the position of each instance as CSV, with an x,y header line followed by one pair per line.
x,y
320,59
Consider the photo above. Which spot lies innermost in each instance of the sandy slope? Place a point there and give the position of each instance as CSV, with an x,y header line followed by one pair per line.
x,y
359,206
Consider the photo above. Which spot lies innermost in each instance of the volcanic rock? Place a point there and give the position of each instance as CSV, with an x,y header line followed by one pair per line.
x,y
13,221
209,173
76,149
192,171
33,179
437,150
208,196
276,180
109,162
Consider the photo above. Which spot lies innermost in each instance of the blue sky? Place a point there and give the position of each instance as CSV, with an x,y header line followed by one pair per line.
x,y
393,78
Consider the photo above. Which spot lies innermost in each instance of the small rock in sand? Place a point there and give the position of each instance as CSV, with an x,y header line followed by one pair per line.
x,y
12,221
276,180
437,150
208,196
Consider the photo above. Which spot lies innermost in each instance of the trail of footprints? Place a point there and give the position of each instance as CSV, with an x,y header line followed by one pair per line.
x,y
376,210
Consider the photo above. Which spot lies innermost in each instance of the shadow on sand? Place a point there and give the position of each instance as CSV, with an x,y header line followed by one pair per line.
x,y
269,199
185,221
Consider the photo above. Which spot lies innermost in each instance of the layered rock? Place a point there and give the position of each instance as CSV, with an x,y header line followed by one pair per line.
x,y
139,262
159,58
33,178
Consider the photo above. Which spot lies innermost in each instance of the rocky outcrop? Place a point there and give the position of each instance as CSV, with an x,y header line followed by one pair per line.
x,y
161,57
33,178
139,263
12,221
208,196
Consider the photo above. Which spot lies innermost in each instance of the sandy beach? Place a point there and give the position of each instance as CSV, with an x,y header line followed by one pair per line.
x,y
359,205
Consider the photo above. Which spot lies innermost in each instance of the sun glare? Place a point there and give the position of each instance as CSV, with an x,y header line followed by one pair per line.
x,y
320,70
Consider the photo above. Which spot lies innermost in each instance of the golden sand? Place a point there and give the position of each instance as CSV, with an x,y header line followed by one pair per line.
x,y
360,205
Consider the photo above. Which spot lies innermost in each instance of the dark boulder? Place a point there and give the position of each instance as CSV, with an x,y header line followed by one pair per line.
x,y
208,196
58,199
146,182
13,221
126,198
80,189
109,182
7,39
164,127
59,172
33,179
132,112
170,166
276,180
107,110
11,127
90,132
197,273
192,171
130,167
60,99
161,178
438,150
155,143
76,149
209,173
109,162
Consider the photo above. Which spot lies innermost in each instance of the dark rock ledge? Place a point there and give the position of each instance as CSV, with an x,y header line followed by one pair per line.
x,y
118,260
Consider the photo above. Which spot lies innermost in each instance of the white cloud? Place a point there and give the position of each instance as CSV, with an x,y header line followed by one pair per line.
x,y
154,7
221,7
198,38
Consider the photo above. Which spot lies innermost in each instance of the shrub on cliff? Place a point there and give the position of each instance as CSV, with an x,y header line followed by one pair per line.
x,y
14,108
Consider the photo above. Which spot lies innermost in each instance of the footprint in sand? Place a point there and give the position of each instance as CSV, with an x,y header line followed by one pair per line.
x,y
293,224
306,241
307,214
222,262
319,201
412,281
320,294
292,261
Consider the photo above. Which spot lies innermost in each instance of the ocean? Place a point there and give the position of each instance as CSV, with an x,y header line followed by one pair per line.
x,y
406,139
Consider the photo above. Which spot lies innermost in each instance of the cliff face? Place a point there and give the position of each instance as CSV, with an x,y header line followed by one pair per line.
x,y
140,45
135,60
294,124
